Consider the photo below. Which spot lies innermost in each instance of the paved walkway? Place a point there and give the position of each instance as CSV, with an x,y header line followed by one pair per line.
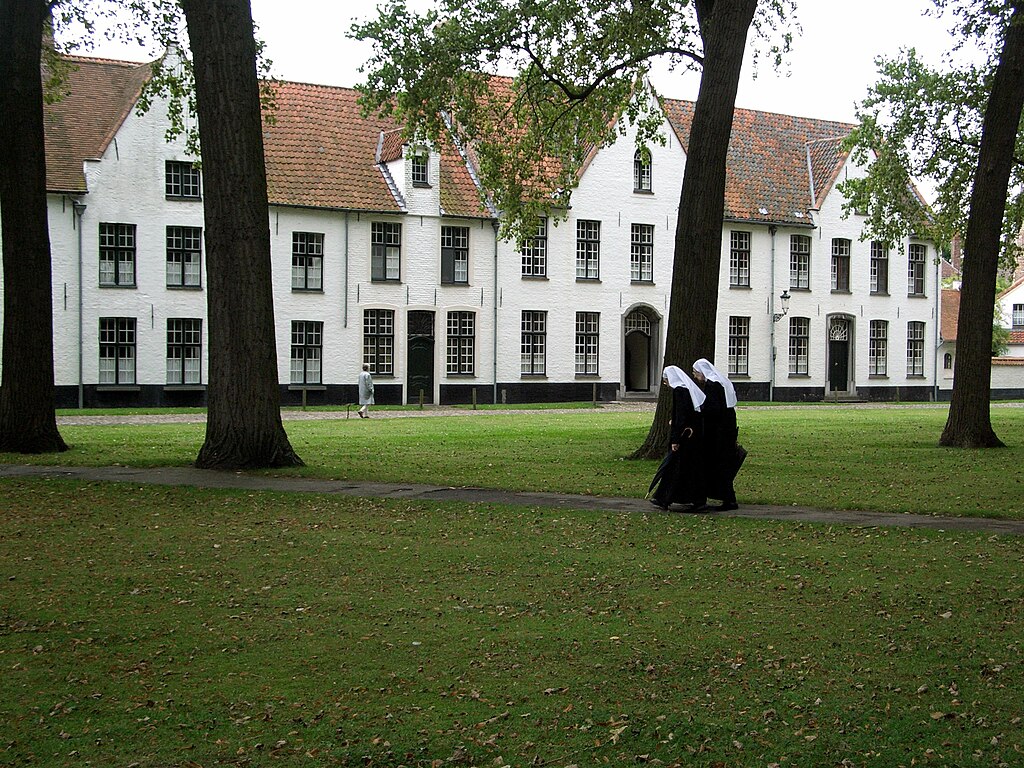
x,y
202,478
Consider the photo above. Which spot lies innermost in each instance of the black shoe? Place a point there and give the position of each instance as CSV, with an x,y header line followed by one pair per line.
x,y
727,506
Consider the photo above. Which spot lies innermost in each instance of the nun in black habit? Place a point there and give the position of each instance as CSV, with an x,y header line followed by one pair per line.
x,y
721,451
680,477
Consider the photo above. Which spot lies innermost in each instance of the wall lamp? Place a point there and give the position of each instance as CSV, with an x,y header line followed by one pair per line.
x,y
784,298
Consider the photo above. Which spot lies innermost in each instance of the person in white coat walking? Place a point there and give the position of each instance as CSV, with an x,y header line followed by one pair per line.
x,y
365,392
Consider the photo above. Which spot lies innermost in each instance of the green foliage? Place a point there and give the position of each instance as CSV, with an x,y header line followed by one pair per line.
x,y
579,82
925,123
158,627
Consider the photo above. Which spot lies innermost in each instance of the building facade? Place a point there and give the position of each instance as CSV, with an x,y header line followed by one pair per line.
x,y
383,253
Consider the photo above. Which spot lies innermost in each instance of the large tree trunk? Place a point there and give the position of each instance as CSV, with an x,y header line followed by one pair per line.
x,y
693,306
27,420
243,428
969,424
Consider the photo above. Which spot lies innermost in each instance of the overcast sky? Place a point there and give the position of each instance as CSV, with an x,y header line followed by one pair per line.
x,y
831,67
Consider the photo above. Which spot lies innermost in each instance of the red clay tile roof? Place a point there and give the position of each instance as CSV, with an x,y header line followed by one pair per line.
x,y
391,144
771,159
460,194
100,95
320,151
1012,361
1016,336
950,305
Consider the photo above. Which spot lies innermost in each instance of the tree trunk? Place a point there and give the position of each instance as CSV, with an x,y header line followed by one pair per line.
x,y
693,306
27,420
243,428
969,424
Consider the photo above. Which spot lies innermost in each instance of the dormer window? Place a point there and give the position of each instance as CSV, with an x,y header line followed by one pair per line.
x,y
642,170
419,161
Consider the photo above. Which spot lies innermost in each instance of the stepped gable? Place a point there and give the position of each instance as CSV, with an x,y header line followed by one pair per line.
x,y
771,161
321,152
99,95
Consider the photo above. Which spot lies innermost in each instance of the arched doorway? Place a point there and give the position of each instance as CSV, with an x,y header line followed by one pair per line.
x,y
420,360
638,348
839,345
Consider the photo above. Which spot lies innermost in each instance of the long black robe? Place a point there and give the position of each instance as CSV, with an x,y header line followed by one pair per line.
x,y
720,433
683,478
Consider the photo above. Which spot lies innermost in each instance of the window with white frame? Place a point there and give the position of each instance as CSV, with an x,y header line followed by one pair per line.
x,y
799,345
533,342
534,251
184,350
1017,316
588,249
799,261
588,329
841,264
461,355
947,361
184,257
181,179
915,348
641,253
642,170
455,255
739,345
117,254
385,251
879,268
916,254
419,160
739,259
379,340
307,261
307,351
117,350
878,348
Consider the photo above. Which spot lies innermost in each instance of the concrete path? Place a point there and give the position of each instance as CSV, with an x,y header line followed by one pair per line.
x,y
202,478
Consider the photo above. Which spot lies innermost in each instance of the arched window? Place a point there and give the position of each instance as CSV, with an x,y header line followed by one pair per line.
x,y
642,170
947,361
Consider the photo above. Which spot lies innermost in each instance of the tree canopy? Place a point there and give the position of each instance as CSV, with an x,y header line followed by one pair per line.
x,y
575,70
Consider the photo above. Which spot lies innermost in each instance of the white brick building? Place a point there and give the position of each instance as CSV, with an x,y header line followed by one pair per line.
x,y
383,253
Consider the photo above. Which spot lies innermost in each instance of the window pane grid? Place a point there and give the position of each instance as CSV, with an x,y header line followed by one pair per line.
x,y
739,345
117,254
181,179
879,268
840,264
379,340
460,356
183,256
454,254
739,258
535,251
587,335
799,261
915,269
588,249
385,250
641,257
184,350
878,348
117,350
533,344
799,345
915,349
307,261
307,351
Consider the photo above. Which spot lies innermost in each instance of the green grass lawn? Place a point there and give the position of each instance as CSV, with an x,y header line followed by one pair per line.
x,y
156,627
886,460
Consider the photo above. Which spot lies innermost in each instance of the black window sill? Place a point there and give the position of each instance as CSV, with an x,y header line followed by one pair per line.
x,y
641,282
185,198
740,286
878,376
382,280
307,387
642,191
460,375
799,375
456,285
184,388
184,287
535,277
917,296
422,185
800,288
842,291
588,279
118,388
117,285
915,376
879,293
588,376
307,290
533,375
